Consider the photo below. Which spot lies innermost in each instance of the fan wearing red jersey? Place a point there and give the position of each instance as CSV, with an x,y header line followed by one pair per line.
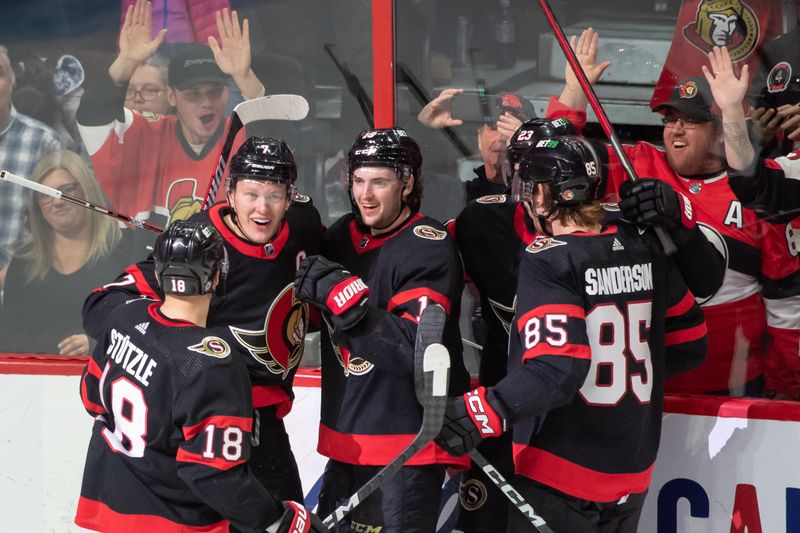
x,y
172,409
603,316
754,331
267,228
383,263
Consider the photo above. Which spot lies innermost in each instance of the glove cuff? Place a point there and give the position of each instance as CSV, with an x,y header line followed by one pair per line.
x,y
485,412
346,294
687,213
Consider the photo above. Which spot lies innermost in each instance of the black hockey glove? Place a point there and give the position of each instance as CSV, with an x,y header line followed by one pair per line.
x,y
650,201
333,289
469,419
297,519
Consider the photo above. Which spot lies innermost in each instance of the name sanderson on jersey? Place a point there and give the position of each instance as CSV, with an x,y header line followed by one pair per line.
x,y
619,279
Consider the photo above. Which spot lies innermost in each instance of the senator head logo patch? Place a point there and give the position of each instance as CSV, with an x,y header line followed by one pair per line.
x,y
542,243
213,347
428,232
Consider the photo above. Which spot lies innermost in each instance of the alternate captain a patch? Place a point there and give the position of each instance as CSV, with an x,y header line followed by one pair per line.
x,y
542,243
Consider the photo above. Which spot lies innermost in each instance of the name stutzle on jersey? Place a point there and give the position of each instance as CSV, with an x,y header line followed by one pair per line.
x,y
619,279
131,358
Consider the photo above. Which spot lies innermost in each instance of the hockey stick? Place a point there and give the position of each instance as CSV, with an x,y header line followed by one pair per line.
x,y
431,378
55,193
271,107
663,236
510,492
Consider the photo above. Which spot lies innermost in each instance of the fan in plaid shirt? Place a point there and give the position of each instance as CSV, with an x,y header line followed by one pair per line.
x,y
23,141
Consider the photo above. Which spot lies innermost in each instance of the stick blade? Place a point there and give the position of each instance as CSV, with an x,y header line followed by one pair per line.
x,y
273,107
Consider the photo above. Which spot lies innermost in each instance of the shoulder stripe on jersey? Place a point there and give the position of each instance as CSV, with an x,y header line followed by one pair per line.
x,y
572,311
575,479
140,281
413,294
685,335
89,404
219,421
681,307
577,351
93,369
98,516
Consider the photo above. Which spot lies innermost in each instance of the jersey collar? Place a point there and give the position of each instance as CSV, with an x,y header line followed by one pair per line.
x,y
270,251
364,242
522,225
154,310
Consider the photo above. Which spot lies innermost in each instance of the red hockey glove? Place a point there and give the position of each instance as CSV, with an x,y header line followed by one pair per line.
x,y
297,519
651,201
333,289
469,419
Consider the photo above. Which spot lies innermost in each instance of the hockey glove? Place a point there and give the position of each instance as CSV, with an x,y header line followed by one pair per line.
x,y
650,201
469,419
327,285
297,519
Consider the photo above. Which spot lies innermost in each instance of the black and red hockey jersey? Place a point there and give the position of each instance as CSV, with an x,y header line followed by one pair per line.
x,y
761,290
172,430
772,189
491,234
370,412
258,314
601,319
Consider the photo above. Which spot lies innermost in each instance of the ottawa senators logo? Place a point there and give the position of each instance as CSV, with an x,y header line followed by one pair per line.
x,y
212,346
181,200
279,344
504,313
729,23
542,243
427,232
492,199
352,364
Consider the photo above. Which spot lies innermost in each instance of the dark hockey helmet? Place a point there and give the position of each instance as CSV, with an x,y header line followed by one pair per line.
x,y
781,87
527,134
568,165
263,159
392,148
187,256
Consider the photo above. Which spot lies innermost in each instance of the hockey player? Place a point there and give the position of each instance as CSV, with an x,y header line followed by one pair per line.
x,y
172,409
602,317
267,228
397,262
491,234
754,331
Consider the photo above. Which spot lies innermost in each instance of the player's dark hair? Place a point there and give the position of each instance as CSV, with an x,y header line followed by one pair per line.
x,y
187,256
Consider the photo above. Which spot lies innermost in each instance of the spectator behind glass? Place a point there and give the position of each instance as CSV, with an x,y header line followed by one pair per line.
x,y
70,251
147,88
23,141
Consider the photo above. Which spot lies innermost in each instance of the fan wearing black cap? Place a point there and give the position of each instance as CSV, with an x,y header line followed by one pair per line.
x,y
510,110
382,265
157,167
267,229
752,323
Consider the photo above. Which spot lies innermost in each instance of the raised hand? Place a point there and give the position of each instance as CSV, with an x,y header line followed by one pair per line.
x,y
135,41
585,48
232,51
438,112
727,88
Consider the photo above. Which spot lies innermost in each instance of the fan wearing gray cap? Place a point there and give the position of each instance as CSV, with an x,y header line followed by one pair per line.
x,y
159,165
751,315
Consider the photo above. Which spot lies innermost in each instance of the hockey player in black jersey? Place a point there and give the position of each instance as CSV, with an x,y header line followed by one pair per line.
x,y
602,318
267,228
397,261
173,412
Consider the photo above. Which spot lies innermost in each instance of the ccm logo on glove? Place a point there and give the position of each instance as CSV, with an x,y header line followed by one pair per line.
x,y
487,422
346,294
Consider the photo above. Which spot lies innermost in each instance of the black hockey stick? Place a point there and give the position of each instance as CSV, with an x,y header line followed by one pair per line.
x,y
55,193
510,492
431,379
271,107
354,87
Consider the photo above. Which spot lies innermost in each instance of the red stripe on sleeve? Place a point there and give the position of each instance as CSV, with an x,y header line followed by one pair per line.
x,y
93,369
572,311
578,351
219,463
220,421
681,307
87,403
414,294
685,335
